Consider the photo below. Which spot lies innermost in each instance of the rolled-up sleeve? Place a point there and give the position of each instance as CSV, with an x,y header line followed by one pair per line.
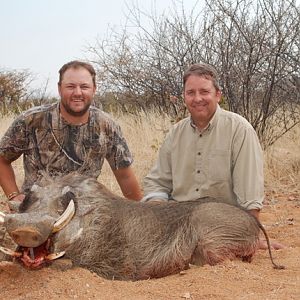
x,y
247,173
159,179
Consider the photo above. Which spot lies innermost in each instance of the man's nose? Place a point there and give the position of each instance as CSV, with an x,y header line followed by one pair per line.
x,y
77,90
198,97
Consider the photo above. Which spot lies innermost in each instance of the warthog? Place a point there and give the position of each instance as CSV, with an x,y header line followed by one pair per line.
x,y
123,239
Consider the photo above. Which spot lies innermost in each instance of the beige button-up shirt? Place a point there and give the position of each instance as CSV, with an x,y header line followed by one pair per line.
x,y
225,161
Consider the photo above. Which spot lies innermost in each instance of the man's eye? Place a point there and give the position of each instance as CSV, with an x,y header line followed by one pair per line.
x,y
190,93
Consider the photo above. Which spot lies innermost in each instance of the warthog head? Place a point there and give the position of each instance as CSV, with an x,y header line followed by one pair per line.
x,y
42,213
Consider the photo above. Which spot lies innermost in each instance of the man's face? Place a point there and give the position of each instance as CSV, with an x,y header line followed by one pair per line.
x,y
76,91
201,99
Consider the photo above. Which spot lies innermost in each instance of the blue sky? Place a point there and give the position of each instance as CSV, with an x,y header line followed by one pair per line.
x,y
42,35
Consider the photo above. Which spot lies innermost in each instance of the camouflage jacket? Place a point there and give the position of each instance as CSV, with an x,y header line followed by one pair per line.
x,y
48,143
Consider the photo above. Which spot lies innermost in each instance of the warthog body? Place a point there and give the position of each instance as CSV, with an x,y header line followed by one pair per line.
x,y
129,240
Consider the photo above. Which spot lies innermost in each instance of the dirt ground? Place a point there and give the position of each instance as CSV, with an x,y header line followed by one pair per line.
x,y
230,280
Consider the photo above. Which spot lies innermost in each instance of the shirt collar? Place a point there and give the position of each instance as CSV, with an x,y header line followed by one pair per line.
x,y
211,123
59,119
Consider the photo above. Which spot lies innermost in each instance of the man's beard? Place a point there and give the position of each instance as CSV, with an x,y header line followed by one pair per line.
x,y
75,113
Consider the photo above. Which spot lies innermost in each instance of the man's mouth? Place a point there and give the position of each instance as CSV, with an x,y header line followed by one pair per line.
x,y
78,100
199,106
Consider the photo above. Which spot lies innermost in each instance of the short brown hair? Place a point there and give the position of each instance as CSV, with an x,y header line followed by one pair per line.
x,y
202,70
77,64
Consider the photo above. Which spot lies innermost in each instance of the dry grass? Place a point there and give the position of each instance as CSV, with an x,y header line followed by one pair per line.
x,y
144,135
282,164
18,164
146,132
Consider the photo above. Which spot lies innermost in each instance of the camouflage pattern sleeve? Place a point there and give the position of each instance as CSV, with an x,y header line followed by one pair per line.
x,y
14,141
118,154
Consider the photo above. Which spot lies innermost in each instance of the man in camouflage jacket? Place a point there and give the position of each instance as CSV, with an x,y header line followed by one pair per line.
x,y
67,136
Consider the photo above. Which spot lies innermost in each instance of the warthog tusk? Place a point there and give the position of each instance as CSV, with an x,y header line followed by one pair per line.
x,y
2,216
10,252
53,256
65,218
31,253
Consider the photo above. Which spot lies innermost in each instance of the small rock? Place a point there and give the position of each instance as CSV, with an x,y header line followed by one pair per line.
x,y
186,296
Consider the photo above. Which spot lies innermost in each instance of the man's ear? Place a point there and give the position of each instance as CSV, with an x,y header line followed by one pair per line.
x,y
219,95
59,89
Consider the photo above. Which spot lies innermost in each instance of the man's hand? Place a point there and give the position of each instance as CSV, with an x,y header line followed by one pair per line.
x,y
20,197
14,203
128,183
262,245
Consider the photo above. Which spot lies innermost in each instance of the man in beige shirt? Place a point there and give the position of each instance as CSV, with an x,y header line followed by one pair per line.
x,y
213,153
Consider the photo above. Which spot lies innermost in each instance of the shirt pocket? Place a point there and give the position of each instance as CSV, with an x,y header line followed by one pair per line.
x,y
219,167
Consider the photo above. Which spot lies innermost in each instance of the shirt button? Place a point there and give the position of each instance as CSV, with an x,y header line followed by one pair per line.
x,y
197,190
199,153
198,171
200,135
